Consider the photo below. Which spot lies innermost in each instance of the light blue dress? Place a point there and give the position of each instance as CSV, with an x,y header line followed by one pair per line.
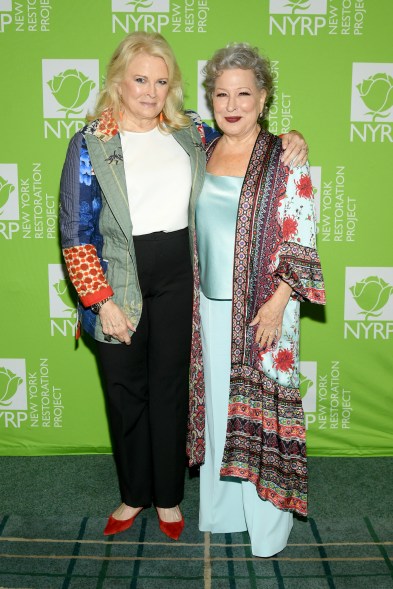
x,y
229,504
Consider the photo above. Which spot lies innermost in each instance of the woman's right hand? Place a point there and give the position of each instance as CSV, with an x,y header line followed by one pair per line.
x,y
115,323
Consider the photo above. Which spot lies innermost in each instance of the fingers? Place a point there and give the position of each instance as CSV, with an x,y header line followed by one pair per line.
x,y
115,324
121,336
268,337
295,155
130,326
300,159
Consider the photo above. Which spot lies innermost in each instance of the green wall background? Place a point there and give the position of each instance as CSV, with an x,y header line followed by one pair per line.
x,y
334,82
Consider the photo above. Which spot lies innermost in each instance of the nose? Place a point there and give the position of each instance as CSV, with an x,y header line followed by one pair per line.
x,y
151,90
231,104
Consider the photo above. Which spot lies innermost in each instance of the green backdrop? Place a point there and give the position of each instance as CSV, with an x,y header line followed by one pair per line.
x,y
334,82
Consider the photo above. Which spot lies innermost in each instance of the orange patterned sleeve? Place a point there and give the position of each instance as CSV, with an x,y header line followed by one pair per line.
x,y
86,274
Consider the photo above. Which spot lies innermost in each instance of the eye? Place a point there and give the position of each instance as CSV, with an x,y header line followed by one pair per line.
x,y
163,82
140,80
244,93
220,94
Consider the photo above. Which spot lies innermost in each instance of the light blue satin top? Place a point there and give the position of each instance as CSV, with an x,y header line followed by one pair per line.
x,y
216,214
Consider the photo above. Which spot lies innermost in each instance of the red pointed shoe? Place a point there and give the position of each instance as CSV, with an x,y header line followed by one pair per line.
x,y
114,526
172,529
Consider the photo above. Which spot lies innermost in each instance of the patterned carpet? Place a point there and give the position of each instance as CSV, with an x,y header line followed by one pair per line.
x,y
45,547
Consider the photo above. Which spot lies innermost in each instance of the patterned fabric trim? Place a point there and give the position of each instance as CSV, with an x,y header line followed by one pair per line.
x,y
103,128
300,267
86,274
265,441
196,424
257,236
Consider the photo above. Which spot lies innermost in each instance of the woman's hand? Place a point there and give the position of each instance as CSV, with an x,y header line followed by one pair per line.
x,y
270,315
295,149
115,323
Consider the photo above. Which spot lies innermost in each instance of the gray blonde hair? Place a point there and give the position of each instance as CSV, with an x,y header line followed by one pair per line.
x,y
240,56
155,45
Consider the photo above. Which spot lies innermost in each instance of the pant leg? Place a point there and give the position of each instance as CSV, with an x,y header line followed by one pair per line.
x,y
268,527
170,319
125,373
124,370
221,500
229,505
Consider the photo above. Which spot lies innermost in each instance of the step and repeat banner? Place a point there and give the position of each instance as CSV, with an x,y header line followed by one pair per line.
x,y
333,67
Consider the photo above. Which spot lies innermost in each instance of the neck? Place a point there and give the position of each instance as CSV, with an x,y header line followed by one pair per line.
x,y
138,125
242,140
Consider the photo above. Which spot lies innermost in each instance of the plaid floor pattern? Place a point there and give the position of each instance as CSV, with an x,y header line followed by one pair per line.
x,y
72,553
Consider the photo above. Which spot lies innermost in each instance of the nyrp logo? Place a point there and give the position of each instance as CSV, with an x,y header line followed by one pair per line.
x,y
13,395
9,201
60,301
69,87
369,302
308,386
298,6
372,102
372,92
140,15
369,294
316,179
140,5
5,19
69,90
203,106
62,307
297,17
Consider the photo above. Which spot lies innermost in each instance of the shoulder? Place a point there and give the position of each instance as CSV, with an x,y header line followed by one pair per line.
x,y
206,132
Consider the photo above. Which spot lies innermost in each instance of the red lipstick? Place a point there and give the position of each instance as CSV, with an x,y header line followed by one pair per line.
x,y
232,119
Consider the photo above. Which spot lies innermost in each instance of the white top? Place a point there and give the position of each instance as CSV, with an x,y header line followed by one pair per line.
x,y
158,178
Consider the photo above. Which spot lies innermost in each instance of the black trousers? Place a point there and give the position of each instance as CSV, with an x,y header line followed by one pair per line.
x,y
146,383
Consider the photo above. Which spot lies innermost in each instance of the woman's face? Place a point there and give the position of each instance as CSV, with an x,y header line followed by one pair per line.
x,y
237,102
144,90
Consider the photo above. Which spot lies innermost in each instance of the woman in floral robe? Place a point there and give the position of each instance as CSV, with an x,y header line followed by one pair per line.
x,y
255,225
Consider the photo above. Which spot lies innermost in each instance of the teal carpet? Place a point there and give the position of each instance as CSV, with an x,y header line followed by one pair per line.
x,y
53,511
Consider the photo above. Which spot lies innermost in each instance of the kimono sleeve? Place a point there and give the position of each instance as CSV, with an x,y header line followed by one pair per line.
x,y
297,261
80,204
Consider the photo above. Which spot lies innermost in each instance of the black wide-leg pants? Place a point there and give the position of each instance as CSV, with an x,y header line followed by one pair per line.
x,y
146,383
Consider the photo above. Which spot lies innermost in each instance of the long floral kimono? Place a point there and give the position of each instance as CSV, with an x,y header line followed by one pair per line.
x,y
275,240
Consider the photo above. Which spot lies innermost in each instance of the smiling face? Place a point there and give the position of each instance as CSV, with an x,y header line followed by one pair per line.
x,y
143,92
237,102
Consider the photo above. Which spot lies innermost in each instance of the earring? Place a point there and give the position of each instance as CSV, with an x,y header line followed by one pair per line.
x,y
161,117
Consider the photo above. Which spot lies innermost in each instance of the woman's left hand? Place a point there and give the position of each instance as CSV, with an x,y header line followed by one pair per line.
x,y
295,149
270,316
269,320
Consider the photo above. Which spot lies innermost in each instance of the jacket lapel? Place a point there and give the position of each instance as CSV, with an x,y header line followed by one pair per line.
x,y
107,161
190,141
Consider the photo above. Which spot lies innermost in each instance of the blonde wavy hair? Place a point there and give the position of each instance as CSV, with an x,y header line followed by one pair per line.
x,y
155,45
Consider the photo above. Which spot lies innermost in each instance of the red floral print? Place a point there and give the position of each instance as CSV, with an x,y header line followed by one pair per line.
x,y
283,360
289,227
304,186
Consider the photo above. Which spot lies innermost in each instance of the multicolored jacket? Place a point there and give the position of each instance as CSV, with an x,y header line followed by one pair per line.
x,y
95,222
